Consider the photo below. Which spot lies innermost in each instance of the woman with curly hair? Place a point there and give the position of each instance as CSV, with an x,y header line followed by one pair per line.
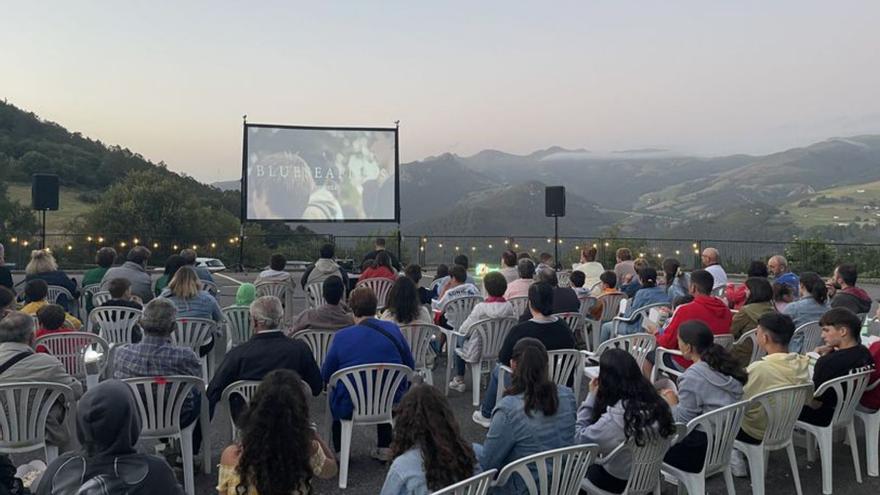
x,y
279,452
622,405
429,452
403,305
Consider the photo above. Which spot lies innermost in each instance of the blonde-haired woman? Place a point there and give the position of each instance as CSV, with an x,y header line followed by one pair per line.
x,y
43,266
184,290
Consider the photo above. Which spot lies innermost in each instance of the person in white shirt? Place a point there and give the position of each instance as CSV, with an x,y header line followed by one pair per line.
x,y
458,286
508,266
711,264
591,268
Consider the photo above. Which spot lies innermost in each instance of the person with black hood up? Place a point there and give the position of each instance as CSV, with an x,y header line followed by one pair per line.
x,y
108,427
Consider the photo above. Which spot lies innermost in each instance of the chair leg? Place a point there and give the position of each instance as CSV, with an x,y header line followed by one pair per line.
x,y
792,460
475,382
429,376
854,448
728,482
824,437
51,453
205,425
756,470
344,454
186,451
450,354
872,438
811,446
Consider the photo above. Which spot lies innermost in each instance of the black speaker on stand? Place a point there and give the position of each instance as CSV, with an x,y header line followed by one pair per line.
x,y
554,206
44,197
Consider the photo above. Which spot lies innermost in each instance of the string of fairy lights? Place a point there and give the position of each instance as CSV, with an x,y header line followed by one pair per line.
x,y
424,245
101,241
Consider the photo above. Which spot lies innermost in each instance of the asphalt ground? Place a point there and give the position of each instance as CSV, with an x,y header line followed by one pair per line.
x,y
367,475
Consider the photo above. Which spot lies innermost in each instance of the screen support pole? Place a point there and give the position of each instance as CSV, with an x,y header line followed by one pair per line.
x,y
241,248
397,162
240,266
556,239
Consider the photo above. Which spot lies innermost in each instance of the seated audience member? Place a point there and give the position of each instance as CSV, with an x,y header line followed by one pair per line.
x,y
156,355
736,294
440,278
104,259
457,286
381,269
715,380
403,306
842,354
326,266
608,282
778,267
565,300
520,287
51,319
276,274
25,365
649,294
545,260
108,427
508,266
812,304
135,270
535,414
331,315
634,284
368,341
712,263
189,257
524,256
7,301
677,281
269,349
577,279
35,293
191,302
245,295
172,264
494,306
783,295
5,273
625,269
706,308
622,405
275,425
845,294
460,260
380,248
591,268
871,399
759,301
120,294
428,450
550,330
414,273
42,266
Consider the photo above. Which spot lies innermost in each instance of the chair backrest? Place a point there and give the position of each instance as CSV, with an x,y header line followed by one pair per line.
x,y
159,401
318,341
56,292
101,297
70,348
721,427
646,461
89,290
611,305
380,286
24,408
563,278
492,332
244,389
564,364
115,323
458,309
193,332
315,294
238,324
277,289
720,292
849,390
209,287
782,406
757,351
554,472
520,304
475,485
587,303
574,320
419,337
638,345
725,340
812,335
371,388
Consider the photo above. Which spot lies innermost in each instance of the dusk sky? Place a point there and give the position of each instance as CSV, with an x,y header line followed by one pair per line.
x,y
171,80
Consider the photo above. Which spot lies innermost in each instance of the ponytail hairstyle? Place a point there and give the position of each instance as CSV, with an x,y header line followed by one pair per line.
x,y
531,378
697,334
670,270
815,286
648,276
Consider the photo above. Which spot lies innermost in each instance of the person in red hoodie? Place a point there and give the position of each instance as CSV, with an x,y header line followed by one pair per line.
x,y
51,318
706,308
381,269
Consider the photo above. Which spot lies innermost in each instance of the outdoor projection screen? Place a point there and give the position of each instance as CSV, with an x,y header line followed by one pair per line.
x,y
319,174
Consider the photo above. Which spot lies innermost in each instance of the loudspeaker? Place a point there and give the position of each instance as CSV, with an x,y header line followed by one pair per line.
x,y
44,192
554,201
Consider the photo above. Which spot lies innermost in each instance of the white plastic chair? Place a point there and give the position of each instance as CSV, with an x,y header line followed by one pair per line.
x,y
661,367
458,309
491,332
562,363
56,292
87,292
24,408
575,322
315,294
554,472
812,336
195,333
638,345
100,297
418,335
318,341
610,309
70,347
586,304
721,427
475,485
644,475
238,325
380,286
871,420
520,304
115,323
371,388
209,287
563,278
636,316
757,352
159,402
283,291
242,388
725,340
781,407
849,390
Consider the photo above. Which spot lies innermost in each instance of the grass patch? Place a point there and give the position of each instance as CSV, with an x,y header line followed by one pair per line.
x,y
69,206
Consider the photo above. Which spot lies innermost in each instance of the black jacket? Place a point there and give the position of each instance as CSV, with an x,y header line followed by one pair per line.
x,y
6,278
565,300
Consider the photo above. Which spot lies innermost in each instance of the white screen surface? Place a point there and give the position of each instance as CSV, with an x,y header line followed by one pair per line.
x,y
308,174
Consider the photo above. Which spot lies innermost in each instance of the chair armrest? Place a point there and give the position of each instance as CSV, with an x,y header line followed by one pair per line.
x,y
452,333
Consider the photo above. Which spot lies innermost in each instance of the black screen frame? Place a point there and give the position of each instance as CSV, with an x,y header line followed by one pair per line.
x,y
244,159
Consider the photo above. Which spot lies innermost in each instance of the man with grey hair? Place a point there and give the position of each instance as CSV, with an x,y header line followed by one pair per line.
x,y
5,274
565,299
268,350
189,256
19,363
712,263
778,267
135,271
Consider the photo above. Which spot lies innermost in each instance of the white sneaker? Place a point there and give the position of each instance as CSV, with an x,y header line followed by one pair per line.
x,y
457,384
480,419
738,465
